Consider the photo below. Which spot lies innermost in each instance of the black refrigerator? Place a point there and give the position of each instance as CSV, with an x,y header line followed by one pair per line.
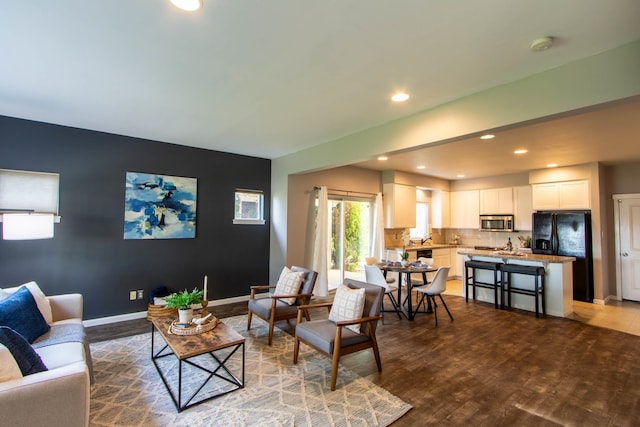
x,y
567,233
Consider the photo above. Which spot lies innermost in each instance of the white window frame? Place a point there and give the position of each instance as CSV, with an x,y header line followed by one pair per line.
x,y
251,221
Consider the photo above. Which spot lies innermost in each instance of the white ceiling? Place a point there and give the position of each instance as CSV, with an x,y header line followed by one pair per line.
x,y
269,78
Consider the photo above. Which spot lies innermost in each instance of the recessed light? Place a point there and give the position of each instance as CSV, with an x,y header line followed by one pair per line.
x,y
188,5
421,167
383,158
460,176
487,136
400,97
552,165
520,151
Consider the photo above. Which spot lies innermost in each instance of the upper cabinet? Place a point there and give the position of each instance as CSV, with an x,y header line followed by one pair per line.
x,y
440,210
561,195
399,205
496,201
522,207
465,209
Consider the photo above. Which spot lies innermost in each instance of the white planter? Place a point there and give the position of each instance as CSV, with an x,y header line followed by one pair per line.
x,y
404,263
185,316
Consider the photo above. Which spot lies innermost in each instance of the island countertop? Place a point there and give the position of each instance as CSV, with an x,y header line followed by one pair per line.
x,y
515,255
423,247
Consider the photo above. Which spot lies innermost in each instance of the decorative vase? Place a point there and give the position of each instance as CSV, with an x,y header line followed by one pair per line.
x,y
404,262
185,316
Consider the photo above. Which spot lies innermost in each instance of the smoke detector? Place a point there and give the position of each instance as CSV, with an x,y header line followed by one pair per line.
x,y
541,44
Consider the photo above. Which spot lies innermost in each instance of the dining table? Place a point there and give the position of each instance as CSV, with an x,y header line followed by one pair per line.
x,y
407,270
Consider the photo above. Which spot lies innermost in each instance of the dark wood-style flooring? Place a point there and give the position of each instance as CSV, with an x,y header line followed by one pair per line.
x,y
489,367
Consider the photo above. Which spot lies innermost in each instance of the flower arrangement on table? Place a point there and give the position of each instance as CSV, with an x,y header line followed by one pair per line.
x,y
406,239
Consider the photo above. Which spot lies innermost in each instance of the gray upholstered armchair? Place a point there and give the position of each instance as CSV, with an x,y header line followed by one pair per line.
x,y
334,339
273,309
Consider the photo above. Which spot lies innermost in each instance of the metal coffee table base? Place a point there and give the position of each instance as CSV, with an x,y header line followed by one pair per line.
x,y
189,402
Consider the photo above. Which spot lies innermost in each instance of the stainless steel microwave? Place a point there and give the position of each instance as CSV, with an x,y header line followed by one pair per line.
x,y
496,222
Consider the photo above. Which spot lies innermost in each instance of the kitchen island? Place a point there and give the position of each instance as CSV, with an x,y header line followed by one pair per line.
x,y
558,279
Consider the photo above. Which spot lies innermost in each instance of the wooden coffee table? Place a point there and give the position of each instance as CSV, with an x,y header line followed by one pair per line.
x,y
186,347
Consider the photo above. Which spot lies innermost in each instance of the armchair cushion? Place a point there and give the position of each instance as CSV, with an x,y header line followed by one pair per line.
x,y
322,335
289,284
25,356
262,308
347,305
20,312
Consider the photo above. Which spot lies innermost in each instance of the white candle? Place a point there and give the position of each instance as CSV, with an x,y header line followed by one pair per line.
x,y
205,288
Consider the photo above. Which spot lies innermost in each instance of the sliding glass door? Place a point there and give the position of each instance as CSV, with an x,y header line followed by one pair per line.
x,y
351,229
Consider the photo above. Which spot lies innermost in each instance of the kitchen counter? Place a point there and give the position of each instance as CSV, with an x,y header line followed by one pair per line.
x,y
558,279
423,247
517,256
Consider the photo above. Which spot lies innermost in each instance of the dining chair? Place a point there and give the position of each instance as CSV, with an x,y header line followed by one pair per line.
x,y
336,338
374,275
275,307
425,279
437,286
374,261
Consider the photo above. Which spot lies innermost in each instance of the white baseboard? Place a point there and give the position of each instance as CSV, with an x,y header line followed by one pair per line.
x,y
114,319
143,314
600,301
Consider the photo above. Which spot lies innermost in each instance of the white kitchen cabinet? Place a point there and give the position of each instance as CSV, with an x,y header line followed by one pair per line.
x,y
523,209
561,195
399,205
442,258
496,201
456,266
440,209
574,195
459,262
465,209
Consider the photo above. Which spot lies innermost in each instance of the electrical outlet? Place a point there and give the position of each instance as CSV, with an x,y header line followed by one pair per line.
x,y
132,295
140,293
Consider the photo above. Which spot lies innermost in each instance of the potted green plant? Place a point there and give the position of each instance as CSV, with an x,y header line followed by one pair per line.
x,y
183,302
405,258
406,241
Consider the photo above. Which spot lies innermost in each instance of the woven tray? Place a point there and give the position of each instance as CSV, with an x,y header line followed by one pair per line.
x,y
193,329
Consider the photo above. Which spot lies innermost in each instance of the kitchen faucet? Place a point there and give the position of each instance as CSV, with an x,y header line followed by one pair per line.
x,y
423,241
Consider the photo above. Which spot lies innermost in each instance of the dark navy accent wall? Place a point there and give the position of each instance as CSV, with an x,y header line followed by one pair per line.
x,y
89,254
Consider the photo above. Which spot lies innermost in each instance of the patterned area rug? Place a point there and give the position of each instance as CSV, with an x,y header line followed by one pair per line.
x,y
129,392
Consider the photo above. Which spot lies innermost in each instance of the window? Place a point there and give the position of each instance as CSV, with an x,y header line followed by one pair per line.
x,y
249,207
422,221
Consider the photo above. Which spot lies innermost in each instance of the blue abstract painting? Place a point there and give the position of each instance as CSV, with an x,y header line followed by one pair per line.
x,y
160,206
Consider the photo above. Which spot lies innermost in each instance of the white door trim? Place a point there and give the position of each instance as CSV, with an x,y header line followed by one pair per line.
x,y
616,219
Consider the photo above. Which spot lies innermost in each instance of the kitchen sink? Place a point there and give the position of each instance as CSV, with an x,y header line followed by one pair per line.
x,y
487,248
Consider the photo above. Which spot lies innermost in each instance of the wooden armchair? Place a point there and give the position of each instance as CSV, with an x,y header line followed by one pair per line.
x,y
273,309
333,339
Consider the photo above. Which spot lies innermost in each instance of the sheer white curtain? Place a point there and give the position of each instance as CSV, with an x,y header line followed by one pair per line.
x,y
321,244
377,238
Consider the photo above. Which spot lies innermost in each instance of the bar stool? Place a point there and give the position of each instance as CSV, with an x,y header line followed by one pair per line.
x,y
529,270
470,280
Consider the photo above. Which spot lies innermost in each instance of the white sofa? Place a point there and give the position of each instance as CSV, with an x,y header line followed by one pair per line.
x,y
60,395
